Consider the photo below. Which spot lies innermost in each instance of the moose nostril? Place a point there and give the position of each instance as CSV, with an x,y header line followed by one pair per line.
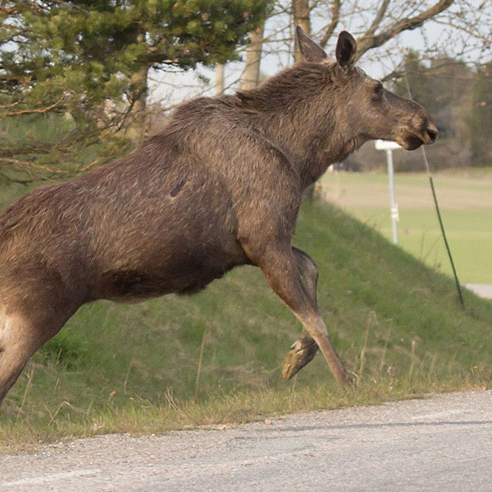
x,y
433,132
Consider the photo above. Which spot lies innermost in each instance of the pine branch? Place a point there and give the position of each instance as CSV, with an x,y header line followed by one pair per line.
x,y
36,110
29,164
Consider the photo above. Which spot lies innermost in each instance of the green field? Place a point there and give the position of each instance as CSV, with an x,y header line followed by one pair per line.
x,y
216,357
465,199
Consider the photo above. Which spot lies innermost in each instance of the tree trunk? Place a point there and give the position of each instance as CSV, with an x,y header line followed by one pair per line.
x,y
137,128
138,124
219,78
251,74
301,13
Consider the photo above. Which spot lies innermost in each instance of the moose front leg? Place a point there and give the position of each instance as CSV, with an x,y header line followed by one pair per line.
x,y
293,276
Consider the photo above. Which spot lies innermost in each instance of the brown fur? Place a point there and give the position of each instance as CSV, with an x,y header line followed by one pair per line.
x,y
219,187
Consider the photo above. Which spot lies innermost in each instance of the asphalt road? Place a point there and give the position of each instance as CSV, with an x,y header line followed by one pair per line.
x,y
482,290
442,444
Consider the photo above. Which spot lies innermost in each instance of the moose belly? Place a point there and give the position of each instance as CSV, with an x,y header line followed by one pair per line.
x,y
181,274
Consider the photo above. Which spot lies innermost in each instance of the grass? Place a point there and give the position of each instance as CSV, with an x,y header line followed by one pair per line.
x,y
465,199
216,357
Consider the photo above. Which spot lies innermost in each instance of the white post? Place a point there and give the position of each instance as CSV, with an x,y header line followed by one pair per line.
x,y
389,147
393,204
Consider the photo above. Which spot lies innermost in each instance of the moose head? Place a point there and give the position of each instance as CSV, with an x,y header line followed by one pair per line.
x,y
368,110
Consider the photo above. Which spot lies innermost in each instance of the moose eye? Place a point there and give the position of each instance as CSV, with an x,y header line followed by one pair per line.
x,y
378,90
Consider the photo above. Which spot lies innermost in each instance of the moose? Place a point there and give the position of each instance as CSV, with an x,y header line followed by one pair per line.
x,y
220,186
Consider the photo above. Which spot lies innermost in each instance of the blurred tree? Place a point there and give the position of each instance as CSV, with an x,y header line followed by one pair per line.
x,y
479,120
439,84
460,101
80,69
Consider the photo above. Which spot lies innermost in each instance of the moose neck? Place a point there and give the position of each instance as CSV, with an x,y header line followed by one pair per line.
x,y
299,111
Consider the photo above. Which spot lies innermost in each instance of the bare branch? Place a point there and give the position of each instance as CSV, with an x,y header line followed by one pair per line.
x,y
379,17
368,42
335,17
394,75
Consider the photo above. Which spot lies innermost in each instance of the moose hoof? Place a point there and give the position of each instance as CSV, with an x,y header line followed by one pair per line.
x,y
349,379
300,354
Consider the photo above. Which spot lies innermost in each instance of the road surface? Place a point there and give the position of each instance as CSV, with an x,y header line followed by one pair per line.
x,y
440,444
481,290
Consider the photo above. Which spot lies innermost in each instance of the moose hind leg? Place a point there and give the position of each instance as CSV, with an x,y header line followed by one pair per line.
x,y
17,343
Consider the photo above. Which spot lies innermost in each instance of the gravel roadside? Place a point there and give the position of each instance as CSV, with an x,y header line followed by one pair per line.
x,y
442,443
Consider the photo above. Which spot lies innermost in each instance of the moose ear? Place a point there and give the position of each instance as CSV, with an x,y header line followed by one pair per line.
x,y
346,50
310,51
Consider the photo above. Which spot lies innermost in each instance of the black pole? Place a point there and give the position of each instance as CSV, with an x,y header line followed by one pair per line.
x,y
458,286
424,154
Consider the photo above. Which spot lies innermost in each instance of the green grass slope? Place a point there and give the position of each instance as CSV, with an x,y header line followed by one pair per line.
x,y
217,356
